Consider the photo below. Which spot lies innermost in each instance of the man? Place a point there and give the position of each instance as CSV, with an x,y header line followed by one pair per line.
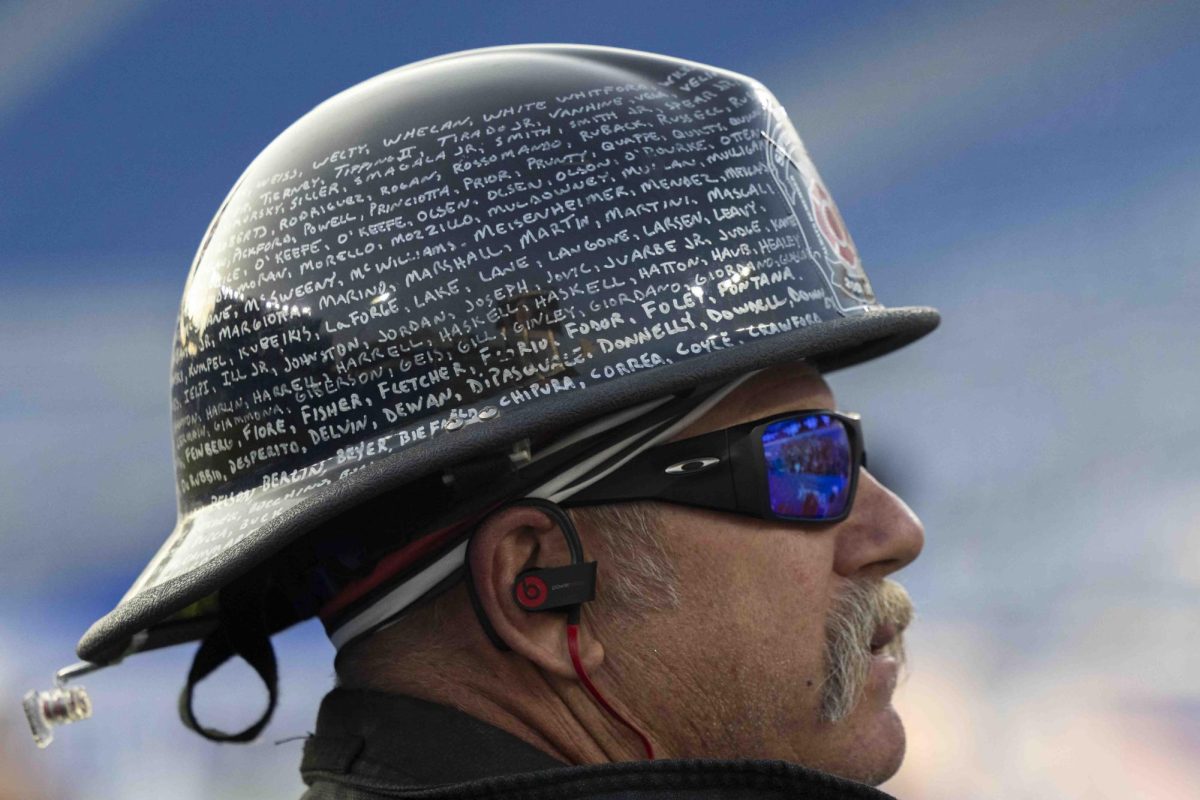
x,y
467,295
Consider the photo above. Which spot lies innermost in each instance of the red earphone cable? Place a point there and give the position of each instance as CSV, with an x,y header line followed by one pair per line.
x,y
573,647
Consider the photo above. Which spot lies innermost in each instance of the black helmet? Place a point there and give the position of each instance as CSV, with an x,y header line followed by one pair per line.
x,y
471,254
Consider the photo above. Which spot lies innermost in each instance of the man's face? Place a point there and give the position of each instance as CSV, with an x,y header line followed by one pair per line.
x,y
742,668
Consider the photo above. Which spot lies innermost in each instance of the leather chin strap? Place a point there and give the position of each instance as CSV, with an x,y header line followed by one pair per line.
x,y
242,632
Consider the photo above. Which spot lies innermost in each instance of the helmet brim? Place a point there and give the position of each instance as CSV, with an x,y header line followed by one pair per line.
x,y
829,345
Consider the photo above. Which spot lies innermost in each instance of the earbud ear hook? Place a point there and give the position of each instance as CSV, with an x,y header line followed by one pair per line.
x,y
558,589
543,588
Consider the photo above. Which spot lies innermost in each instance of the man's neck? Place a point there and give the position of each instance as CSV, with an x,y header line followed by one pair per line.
x,y
554,715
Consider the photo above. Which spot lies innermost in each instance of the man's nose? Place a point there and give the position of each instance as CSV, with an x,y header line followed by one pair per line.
x,y
881,535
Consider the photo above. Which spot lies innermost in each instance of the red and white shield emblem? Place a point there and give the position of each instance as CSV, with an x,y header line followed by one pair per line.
x,y
831,225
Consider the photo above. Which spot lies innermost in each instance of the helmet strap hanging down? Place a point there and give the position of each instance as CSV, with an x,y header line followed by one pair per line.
x,y
242,632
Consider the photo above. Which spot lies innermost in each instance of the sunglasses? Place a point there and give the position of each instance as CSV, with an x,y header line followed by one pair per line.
x,y
801,466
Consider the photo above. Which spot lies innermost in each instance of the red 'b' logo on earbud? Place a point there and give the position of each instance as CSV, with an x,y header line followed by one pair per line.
x,y
531,591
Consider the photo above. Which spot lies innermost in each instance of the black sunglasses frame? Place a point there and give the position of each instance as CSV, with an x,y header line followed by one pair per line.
x,y
723,470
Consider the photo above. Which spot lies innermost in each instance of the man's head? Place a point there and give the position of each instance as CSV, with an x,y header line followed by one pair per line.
x,y
724,636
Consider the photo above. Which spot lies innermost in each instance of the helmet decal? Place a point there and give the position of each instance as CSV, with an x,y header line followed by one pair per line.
x,y
797,179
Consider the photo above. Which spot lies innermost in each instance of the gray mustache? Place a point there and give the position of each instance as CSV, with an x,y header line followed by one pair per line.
x,y
861,609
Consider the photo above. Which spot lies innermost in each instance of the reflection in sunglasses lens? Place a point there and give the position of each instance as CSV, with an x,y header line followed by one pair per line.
x,y
808,466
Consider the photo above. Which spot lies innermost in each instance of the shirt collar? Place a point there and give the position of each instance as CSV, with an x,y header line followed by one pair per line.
x,y
374,739
412,741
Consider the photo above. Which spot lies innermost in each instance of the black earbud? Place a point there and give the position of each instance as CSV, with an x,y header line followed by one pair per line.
x,y
564,588
555,588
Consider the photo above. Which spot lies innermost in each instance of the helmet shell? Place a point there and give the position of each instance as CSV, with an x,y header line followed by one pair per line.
x,y
475,249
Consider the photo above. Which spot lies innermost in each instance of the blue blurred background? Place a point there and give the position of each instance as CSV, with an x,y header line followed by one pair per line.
x,y
1029,168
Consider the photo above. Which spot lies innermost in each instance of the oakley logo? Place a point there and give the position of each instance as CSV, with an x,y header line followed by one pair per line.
x,y
692,465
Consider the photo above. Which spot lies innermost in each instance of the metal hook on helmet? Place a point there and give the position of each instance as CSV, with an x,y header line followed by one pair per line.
x,y
61,705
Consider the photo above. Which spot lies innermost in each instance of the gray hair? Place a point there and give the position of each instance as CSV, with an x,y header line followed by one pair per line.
x,y
638,573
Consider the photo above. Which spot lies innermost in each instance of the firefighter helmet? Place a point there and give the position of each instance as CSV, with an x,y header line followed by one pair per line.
x,y
470,252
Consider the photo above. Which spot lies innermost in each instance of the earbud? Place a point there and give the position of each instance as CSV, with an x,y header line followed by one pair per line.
x,y
555,588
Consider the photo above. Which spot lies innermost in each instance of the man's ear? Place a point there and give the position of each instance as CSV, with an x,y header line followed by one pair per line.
x,y
506,544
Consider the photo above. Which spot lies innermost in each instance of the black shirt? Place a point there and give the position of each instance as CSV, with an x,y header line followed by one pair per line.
x,y
371,745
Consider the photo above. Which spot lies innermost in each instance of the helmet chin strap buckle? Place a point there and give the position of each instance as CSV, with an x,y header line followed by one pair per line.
x,y
61,705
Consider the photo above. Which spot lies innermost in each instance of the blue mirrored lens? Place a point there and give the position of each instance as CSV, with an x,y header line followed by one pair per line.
x,y
808,466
